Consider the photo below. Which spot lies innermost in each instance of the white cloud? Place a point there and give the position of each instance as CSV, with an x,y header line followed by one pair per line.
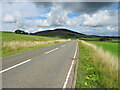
x,y
41,23
57,16
12,17
112,28
8,18
102,17
26,8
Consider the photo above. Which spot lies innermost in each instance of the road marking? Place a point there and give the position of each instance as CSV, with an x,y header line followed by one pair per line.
x,y
15,66
63,45
68,75
51,50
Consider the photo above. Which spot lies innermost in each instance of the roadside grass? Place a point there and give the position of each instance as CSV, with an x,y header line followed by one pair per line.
x,y
86,75
97,68
7,51
16,43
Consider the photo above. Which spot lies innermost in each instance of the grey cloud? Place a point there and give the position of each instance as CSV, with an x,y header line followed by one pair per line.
x,y
86,7
77,7
43,4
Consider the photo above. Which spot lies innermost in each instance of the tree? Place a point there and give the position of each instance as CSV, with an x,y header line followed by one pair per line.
x,y
20,32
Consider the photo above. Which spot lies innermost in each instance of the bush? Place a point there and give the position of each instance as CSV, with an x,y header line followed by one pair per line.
x,y
105,39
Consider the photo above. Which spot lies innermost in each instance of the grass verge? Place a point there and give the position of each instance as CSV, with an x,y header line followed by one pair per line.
x,y
7,51
96,68
86,75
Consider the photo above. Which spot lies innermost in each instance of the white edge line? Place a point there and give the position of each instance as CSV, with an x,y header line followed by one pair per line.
x,y
15,66
51,50
68,75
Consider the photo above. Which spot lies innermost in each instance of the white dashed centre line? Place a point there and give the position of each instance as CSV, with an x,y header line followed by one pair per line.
x,y
15,66
63,45
51,50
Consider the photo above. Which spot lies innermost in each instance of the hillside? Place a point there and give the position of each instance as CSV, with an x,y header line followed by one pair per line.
x,y
61,33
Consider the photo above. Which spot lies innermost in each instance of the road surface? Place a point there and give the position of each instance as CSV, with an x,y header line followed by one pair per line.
x,y
47,67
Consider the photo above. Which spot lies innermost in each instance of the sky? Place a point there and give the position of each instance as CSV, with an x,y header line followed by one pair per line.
x,y
91,18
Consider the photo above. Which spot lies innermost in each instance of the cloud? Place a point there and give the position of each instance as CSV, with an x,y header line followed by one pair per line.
x,y
43,4
12,17
86,7
8,18
93,15
42,23
57,16
112,28
100,18
26,9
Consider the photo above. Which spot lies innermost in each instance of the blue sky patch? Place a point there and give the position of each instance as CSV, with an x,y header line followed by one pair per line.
x,y
71,15
35,18
45,10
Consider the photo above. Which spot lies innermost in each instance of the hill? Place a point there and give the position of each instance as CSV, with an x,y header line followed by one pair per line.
x,y
61,33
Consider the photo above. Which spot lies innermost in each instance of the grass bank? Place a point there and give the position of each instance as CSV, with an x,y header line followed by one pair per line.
x,y
16,43
97,68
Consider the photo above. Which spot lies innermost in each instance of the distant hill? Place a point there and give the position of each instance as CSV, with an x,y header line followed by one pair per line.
x,y
61,33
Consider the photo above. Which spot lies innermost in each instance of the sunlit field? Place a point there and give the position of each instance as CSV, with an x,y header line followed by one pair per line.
x,y
15,43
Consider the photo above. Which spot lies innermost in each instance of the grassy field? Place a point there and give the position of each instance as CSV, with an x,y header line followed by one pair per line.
x,y
114,40
111,46
6,36
97,68
16,43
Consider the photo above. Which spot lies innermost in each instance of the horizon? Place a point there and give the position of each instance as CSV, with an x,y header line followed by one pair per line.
x,y
61,29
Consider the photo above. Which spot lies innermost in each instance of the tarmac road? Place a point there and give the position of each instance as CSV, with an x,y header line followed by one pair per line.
x,y
47,67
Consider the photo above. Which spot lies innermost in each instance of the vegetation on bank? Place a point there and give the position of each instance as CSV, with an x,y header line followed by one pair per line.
x,y
16,43
97,68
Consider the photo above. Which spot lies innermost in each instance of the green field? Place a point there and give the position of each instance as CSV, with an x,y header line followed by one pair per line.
x,y
16,43
111,46
6,36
